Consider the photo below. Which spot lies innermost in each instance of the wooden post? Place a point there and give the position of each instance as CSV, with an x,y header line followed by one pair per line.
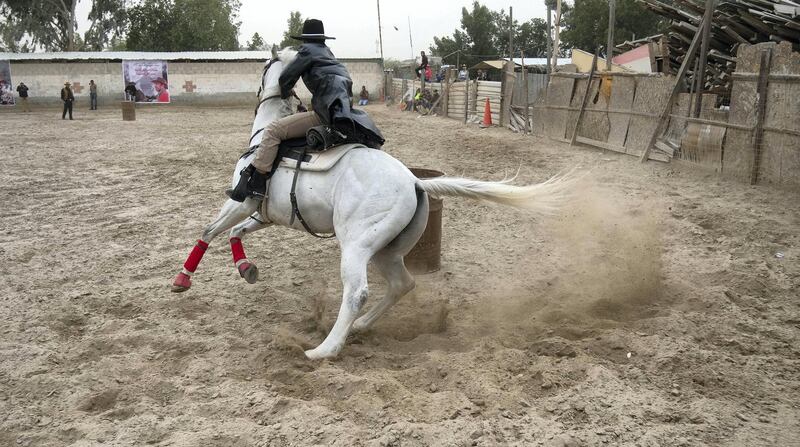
x,y
687,58
700,73
761,108
413,95
446,94
506,92
691,92
474,94
612,6
585,97
466,98
527,92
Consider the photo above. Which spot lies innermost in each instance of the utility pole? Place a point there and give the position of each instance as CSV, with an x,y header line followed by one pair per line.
x,y
612,6
511,32
380,33
558,29
549,39
409,39
383,63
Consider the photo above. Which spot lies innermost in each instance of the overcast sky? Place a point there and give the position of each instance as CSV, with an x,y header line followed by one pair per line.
x,y
354,23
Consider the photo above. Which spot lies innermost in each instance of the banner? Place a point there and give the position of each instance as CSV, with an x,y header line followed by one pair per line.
x,y
146,81
6,86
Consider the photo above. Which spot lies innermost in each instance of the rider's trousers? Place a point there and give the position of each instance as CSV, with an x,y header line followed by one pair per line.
x,y
292,126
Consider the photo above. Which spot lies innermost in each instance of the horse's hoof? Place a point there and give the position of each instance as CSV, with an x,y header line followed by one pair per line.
x,y
182,283
359,328
320,353
249,272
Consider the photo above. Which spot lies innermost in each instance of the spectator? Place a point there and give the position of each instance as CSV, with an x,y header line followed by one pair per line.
x,y
22,90
92,95
130,92
68,98
423,65
440,75
428,74
363,96
462,73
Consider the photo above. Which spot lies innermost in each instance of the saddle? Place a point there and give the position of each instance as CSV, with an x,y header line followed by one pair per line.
x,y
290,152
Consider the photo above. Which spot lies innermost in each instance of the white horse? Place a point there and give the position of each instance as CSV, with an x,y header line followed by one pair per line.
x,y
375,206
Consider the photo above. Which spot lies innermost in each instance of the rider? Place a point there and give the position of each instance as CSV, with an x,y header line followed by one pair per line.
x,y
331,89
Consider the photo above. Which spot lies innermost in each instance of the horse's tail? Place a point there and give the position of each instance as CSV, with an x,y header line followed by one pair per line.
x,y
541,198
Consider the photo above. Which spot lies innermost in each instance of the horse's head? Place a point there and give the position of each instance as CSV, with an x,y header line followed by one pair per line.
x,y
272,72
270,104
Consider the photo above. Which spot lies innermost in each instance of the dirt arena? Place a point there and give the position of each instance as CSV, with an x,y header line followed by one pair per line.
x,y
659,309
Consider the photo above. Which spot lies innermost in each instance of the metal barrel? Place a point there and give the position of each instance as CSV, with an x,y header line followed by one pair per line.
x,y
128,110
426,256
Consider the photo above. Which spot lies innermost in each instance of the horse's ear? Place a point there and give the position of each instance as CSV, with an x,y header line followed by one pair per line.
x,y
274,51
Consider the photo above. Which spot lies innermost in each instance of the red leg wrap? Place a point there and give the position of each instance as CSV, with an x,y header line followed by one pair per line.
x,y
195,256
237,249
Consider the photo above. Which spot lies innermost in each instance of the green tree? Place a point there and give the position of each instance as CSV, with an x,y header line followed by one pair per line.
x,y
256,43
294,27
151,25
183,25
586,23
108,22
531,38
49,24
484,35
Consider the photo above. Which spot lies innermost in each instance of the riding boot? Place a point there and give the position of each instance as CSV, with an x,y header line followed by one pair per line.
x,y
251,183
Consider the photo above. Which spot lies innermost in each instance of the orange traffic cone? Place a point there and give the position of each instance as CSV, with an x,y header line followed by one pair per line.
x,y
487,115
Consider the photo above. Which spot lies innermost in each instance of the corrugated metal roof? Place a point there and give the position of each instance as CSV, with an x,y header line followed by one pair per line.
x,y
539,60
139,55
144,55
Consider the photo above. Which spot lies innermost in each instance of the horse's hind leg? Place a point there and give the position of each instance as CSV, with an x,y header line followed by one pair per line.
x,y
399,283
246,268
232,212
389,262
354,295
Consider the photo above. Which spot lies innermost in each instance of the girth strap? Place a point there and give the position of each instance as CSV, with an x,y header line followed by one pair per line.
x,y
293,199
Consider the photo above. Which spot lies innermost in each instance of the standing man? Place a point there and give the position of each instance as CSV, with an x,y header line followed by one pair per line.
x,y
92,95
68,98
22,90
423,65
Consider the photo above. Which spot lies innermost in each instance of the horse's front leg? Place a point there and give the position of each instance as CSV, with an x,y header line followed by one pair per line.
x,y
232,212
246,268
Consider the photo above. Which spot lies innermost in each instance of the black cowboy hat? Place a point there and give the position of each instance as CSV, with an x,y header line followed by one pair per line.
x,y
313,29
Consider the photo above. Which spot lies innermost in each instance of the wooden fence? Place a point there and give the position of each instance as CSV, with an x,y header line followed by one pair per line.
x,y
755,138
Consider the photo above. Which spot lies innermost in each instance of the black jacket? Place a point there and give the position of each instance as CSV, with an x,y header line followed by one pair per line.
x,y
331,87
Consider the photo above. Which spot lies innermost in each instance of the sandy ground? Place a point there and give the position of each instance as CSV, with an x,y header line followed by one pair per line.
x,y
660,308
